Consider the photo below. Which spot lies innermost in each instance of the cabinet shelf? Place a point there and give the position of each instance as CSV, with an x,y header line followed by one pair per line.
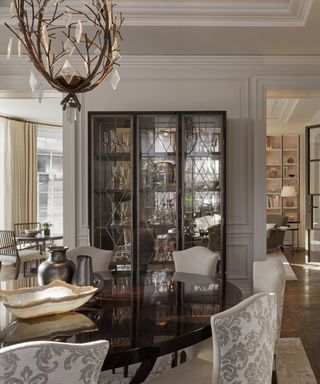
x,y
106,191
114,156
287,148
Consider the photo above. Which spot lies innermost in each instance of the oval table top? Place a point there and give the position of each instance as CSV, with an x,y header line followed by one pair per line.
x,y
160,313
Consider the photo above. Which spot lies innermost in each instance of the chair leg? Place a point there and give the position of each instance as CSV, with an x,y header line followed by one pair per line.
x,y
17,269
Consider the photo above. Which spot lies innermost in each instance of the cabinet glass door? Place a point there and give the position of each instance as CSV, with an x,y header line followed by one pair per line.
x,y
157,216
111,175
203,195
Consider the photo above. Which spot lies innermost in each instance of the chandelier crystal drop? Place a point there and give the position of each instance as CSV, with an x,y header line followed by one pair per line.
x,y
73,44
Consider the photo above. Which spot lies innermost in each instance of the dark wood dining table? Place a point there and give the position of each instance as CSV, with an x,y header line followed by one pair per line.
x,y
160,313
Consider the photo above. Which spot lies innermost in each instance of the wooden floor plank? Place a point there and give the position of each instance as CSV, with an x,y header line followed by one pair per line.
x,y
301,314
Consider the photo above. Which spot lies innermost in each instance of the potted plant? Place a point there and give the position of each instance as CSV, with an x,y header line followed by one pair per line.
x,y
46,228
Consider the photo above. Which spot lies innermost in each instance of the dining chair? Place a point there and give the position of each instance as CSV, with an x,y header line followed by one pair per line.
x,y
243,343
198,259
100,257
269,276
9,252
53,362
202,261
19,230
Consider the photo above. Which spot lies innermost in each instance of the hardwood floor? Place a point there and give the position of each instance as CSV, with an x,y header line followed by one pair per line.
x,y
301,315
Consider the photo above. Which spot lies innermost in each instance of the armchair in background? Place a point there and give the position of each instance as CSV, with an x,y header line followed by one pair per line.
x,y
275,235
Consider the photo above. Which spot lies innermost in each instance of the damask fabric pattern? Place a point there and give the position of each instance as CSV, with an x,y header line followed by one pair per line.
x,y
52,363
243,342
162,365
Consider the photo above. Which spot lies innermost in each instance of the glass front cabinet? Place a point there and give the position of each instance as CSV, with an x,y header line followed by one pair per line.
x,y
156,185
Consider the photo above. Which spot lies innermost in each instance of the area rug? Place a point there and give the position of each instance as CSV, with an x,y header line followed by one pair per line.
x,y
292,364
290,275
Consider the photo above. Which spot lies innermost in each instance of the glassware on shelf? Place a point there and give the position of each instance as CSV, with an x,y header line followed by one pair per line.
x,y
113,141
114,173
125,142
106,143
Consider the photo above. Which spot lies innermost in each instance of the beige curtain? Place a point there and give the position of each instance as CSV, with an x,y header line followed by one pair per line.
x,y
20,174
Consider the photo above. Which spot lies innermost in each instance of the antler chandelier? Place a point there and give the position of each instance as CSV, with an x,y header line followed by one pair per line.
x,y
73,44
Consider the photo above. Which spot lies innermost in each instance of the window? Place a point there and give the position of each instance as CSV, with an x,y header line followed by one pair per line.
x,y
50,176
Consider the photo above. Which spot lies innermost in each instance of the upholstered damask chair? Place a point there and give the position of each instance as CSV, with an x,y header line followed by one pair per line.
x,y
198,259
52,362
100,257
269,276
243,344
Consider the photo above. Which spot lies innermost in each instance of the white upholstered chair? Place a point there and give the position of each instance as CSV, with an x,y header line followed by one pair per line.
x,y
52,362
202,261
269,276
100,257
243,343
10,253
198,259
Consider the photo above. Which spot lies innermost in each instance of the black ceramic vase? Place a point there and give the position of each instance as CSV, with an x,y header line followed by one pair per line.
x,y
56,267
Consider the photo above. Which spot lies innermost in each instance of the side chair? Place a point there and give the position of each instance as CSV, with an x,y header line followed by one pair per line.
x,y
202,261
198,259
269,276
9,252
19,230
53,362
243,343
100,257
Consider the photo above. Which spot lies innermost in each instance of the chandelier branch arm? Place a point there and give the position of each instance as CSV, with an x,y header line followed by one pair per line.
x,y
78,12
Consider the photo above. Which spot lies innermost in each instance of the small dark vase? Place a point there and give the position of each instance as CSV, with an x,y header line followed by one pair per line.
x,y
46,232
56,267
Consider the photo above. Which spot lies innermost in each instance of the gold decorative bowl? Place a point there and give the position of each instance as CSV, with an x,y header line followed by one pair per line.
x,y
56,297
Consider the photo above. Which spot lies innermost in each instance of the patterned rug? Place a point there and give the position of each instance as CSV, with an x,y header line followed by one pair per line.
x,y
290,275
292,364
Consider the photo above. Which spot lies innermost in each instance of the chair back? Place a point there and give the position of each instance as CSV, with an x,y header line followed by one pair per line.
x,y
8,247
19,228
198,259
269,276
243,341
100,257
52,362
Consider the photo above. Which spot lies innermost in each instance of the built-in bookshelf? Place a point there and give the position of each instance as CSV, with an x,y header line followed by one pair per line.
x,y
283,170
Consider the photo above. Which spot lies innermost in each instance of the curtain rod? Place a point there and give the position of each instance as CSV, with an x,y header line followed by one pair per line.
x,y
30,122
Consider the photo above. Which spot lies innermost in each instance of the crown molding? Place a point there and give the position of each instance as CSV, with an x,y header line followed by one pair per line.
x,y
22,63
227,13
